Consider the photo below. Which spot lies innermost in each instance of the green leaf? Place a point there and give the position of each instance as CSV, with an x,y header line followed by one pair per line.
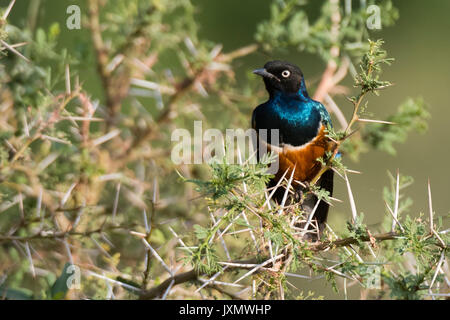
x,y
200,232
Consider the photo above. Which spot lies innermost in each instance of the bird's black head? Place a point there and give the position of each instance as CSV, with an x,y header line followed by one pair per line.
x,y
282,76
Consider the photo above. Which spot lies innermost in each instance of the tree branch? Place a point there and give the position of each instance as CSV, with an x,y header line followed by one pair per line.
x,y
191,275
328,77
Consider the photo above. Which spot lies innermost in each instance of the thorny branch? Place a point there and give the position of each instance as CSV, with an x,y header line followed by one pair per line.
x,y
194,274
327,81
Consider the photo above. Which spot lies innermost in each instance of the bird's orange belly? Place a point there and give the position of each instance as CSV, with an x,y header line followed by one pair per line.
x,y
303,159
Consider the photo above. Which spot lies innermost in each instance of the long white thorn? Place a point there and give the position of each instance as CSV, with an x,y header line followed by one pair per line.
x,y
430,206
275,189
146,224
155,191
394,217
336,110
258,267
352,200
30,259
116,202
397,197
111,135
286,192
267,200
122,284
338,173
156,255
222,241
239,265
13,50
39,202
179,239
166,293
68,86
376,121
67,194
8,10
311,215
271,250
222,283
211,279
438,267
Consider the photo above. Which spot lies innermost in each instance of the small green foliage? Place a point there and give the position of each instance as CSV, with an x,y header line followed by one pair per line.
x,y
370,69
320,193
226,176
416,239
224,189
205,260
412,115
333,134
389,193
357,229
353,148
290,27
407,286
331,279
310,295
200,232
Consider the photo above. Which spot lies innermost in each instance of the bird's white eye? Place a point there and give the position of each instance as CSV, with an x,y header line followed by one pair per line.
x,y
286,73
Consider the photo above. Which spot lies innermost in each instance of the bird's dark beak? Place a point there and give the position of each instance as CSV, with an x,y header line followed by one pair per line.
x,y
265,74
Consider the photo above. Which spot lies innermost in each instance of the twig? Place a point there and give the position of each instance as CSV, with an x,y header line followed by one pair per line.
x,y
336,110
191,275
348,241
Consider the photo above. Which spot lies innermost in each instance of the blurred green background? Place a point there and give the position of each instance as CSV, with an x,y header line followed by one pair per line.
x,y
420,44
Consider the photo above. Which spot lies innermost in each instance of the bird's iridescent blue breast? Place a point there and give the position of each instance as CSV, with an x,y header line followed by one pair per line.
x,y
297,117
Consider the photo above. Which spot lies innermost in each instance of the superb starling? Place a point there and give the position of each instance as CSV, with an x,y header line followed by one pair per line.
x,y
302,124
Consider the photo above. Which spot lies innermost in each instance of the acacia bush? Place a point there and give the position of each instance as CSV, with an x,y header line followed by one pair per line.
x,y
87,183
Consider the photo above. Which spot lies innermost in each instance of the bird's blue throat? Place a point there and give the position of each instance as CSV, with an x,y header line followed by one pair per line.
x,y
297,114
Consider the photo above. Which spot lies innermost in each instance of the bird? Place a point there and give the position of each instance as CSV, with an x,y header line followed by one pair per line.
x,y
302,125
